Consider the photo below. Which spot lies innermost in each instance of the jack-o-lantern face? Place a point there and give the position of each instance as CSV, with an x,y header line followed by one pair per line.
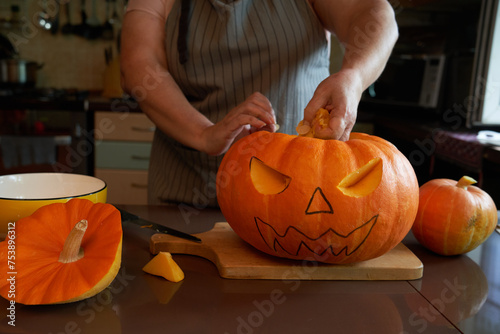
x,y
321,200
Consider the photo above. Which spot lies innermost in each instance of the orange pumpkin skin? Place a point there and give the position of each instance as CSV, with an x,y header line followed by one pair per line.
x,y
452,220
39,276
312,217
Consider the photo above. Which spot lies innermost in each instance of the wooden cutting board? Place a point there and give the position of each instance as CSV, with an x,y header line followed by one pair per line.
x,y
236,259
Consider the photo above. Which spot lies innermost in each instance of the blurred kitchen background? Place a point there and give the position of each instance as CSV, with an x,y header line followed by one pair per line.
x,y
61,107
72,52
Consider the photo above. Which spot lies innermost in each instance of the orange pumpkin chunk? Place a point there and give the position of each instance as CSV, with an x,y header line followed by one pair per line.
x,y
364,180
267,180
164,265
322,118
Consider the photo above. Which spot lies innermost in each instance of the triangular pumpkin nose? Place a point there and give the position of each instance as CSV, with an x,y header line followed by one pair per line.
x,y
318,203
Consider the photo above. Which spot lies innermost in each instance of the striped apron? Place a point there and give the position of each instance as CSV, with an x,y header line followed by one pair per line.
x,y
229,50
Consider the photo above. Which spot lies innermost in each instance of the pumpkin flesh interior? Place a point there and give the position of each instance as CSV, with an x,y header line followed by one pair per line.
x,y
267,180
320,121
164,265
364,180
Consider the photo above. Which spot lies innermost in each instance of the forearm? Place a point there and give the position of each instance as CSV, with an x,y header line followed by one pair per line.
x,y
367,30
368,42
146,77
162,100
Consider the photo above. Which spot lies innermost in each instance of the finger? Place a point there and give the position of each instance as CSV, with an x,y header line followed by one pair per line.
x,y
265,115
313,106
345,135
245,119
269,128
262,103
337,125
260,99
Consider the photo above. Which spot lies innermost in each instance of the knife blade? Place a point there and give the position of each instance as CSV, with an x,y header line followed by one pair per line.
x,y
128,217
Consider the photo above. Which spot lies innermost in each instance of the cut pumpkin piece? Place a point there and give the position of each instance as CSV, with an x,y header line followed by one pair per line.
x,y
364,180
164,265
321,118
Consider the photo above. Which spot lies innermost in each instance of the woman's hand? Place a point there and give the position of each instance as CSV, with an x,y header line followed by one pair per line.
x,y
368,31
254,114
339,94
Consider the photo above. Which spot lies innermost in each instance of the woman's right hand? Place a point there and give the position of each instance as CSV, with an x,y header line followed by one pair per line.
x,y
253,114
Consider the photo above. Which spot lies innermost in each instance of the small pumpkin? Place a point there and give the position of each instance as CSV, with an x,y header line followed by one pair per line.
x,y
454,217
64,252
312,199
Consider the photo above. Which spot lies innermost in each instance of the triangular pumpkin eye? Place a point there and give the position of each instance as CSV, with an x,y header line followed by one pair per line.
x,y
267,180
364,180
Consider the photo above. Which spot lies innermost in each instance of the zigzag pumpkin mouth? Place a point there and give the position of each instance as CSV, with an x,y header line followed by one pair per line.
x,y
306,246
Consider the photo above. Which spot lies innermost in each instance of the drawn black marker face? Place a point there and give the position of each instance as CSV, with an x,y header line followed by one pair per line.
x,y
295,241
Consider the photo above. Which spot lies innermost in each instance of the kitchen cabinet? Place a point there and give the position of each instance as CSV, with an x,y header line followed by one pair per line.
x,y
122,150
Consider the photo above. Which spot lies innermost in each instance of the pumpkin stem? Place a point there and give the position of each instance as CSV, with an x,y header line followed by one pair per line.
x,y
72,251
465,181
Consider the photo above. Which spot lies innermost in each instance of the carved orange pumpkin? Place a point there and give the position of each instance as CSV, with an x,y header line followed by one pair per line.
x,y
322,200
454,217
63,252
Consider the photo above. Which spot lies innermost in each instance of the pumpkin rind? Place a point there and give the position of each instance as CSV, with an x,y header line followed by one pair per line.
x,y
452,220
40,278
314,218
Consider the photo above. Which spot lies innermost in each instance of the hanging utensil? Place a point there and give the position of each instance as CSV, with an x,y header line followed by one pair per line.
x,y
67,28
115,18
83,28
95,29
107,28
108,55
55,21
93,20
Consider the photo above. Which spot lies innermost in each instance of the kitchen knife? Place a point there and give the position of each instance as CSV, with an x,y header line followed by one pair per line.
x,y
128,217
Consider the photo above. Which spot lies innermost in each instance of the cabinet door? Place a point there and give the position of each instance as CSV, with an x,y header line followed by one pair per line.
x,y
123,126
122,155
125,186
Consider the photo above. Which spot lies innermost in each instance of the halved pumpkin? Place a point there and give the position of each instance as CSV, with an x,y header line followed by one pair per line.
x,y
63,252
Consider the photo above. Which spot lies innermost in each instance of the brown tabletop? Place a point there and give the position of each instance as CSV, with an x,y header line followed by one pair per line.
x,y
458,294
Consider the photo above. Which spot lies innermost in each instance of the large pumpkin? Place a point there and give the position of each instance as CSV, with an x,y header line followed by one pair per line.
x,y
62,253
454,217
323,200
